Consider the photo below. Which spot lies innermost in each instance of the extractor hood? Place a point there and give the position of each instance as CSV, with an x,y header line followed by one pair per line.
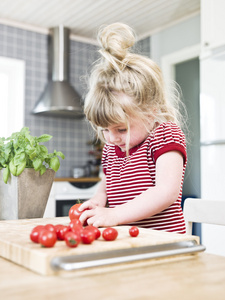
x,y
59,98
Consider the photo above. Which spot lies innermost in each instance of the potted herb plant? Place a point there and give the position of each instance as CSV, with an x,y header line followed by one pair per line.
x,y
27,172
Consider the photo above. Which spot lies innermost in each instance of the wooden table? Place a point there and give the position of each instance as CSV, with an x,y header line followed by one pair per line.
x,y
201,276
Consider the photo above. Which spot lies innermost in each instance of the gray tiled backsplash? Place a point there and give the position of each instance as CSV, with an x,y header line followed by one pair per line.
x,y
69,136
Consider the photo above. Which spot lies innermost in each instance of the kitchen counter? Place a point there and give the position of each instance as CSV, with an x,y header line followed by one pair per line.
x,y
81,179
199,277
190,276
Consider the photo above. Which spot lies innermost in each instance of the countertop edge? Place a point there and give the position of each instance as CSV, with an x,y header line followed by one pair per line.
x,y
81,179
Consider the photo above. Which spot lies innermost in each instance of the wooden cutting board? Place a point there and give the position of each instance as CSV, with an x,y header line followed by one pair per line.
x,y
15,243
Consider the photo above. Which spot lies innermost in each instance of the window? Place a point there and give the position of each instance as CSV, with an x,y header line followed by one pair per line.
x,y
12,85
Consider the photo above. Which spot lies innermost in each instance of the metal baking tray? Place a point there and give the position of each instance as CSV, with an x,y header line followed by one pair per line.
x,y
83,261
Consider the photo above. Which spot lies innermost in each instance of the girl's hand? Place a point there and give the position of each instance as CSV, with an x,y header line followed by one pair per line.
x,y
89,204
100,217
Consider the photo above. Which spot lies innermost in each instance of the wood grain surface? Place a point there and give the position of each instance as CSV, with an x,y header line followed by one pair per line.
x,y
201,277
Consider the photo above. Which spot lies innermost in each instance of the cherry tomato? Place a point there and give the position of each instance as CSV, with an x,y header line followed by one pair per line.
x,y
133,231
95,230
76,226
49,227
75,223
85,223
72,239
57,229
110,234
74,213
47,238
62,231
87,236
77,229
34,235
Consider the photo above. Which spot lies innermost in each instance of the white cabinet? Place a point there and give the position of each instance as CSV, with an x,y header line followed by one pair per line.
x,y
212,24
212,98
212,111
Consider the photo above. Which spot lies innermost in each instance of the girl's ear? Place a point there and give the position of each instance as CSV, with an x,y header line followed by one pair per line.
x,y
152,122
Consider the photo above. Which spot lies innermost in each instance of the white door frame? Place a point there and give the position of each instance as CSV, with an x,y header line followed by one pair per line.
x,y
169,61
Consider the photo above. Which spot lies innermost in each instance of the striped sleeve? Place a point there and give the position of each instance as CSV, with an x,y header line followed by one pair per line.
x,y
104,160
168,137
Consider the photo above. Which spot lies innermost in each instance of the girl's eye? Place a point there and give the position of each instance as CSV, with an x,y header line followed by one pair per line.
x,y
122,130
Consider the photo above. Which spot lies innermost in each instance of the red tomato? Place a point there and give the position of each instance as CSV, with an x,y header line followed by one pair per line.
x,y
76,226
49,227
75,223
133,231
72,239
34,235
62,231
47,238
57,229
87,236
110,234
77,229
85,223
74,213
95,230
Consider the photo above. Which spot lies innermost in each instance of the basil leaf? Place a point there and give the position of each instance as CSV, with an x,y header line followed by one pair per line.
x,y
44,138
37,164
6,174
42,170
59,153
43,150
19,158
54,163
12,167
20,168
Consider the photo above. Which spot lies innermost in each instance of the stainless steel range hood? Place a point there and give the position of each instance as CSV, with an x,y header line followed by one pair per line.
x,y
59,98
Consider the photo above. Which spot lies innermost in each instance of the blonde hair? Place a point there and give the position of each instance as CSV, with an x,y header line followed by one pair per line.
x,y
118,72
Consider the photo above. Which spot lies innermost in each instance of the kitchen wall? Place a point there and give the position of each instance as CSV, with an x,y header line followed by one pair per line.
x,y
69,136
172,39
170,43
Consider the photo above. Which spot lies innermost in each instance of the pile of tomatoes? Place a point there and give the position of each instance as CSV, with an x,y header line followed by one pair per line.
x,y
74,233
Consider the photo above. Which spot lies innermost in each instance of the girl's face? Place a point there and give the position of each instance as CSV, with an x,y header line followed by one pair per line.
x,y
117,134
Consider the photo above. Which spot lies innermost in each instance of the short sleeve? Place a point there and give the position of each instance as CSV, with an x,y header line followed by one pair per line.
x,y
167,137
104,158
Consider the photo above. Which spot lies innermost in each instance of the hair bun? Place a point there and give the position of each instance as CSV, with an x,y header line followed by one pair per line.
x,y
116,39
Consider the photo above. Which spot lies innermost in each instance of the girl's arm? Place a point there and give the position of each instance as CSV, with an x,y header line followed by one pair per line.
x,y
169,171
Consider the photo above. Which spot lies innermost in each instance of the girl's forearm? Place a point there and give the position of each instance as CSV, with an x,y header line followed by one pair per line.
x,y
100,197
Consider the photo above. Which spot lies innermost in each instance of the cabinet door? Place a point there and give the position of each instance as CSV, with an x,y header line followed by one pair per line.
x,y
212,104
212,24
212,187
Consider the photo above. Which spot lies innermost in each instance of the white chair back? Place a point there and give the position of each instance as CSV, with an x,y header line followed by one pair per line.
x,y
203,211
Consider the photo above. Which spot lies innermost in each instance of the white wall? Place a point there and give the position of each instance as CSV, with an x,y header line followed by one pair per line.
x,y
175,38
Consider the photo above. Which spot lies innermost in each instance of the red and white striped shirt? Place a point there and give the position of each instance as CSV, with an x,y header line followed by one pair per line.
x,y
128,177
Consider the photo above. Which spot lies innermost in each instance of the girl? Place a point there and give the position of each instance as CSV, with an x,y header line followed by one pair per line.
x,y
144,156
